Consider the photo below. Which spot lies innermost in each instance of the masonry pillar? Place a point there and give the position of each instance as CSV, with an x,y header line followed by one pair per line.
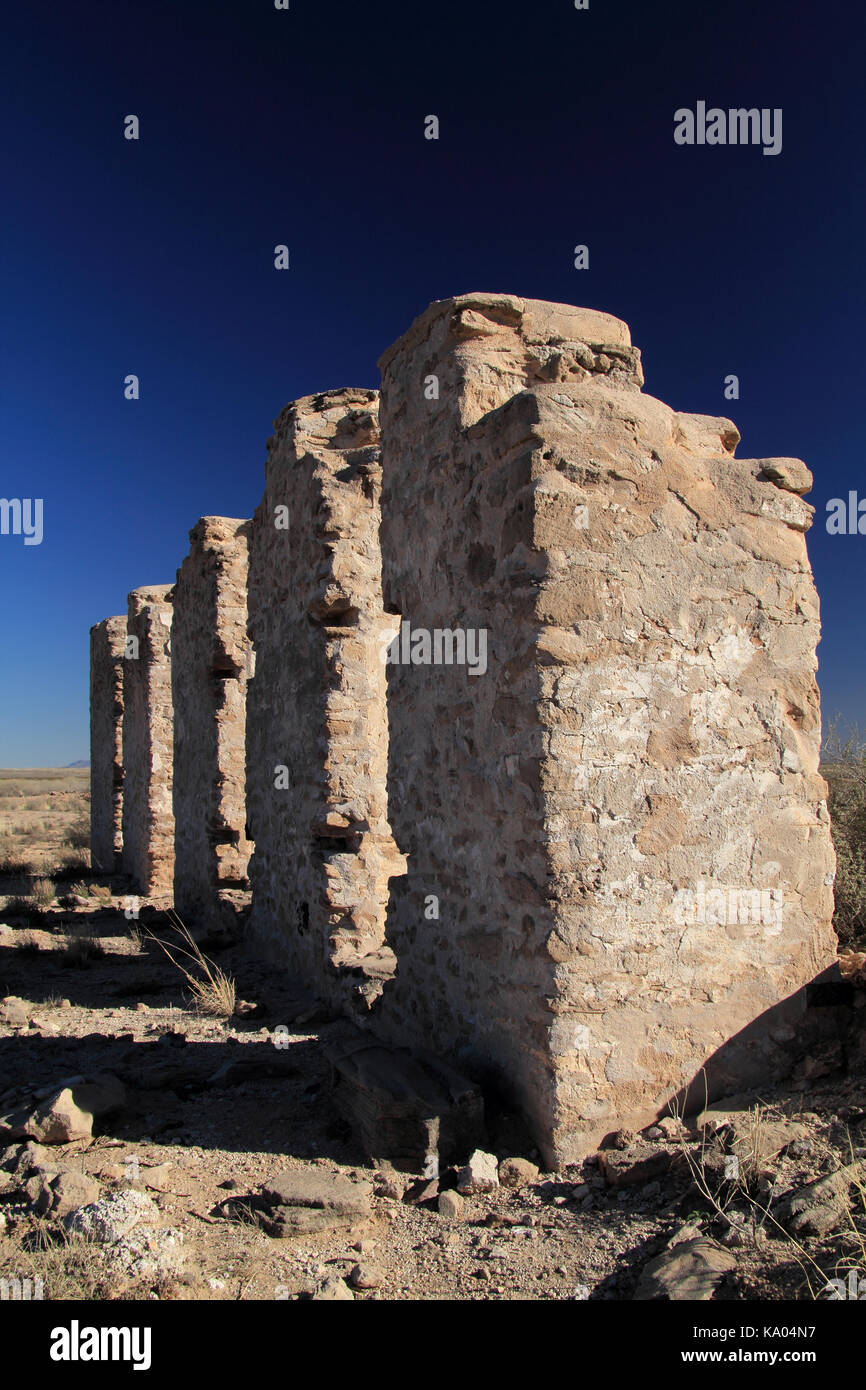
x,y
316,719
148,821
619,856
107,643
210,661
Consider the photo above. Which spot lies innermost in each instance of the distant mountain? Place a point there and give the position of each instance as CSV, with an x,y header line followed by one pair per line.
x,y
82,762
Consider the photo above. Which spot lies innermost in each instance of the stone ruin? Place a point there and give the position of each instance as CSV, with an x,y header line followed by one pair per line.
x,y
210,664
532,738
107,645
317,720
148,735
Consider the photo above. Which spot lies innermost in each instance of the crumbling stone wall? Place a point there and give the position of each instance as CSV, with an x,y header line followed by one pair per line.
x,y
148,820
602,766
644,740
107,643
209,667
316,720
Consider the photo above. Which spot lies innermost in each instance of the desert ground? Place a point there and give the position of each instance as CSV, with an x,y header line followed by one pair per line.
x,y
162,1141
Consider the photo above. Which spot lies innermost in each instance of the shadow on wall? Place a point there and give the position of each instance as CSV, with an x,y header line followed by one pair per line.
x,y
806,1036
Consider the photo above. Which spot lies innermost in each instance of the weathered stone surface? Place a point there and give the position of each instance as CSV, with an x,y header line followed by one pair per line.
x,y
100,1094
641,750
691,1271
113,1217
407,1107
316,722
635,1165
819,1207
60,1120
366,1276
324,1190
303,1203
333,1290
602,764
479,1175
451,1205
14,1013
107,644
211,660
148,820
517,1172
67,1192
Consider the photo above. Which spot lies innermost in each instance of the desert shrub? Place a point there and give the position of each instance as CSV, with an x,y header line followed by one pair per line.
x,y
81,948
26,943
78,835
73,867
43,892
22,907
11,866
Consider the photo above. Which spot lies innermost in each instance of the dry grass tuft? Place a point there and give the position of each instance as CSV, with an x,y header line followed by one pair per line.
x,y
214,992
26,943
81,949
43,892
69,1266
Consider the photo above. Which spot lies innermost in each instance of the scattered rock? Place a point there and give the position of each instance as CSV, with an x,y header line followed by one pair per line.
x,y
517,1172
13,1013
111,1218
60,1121
451,1206
479,1175
147,1252
637,1165
424,1190
67,1192
390,1184
366,1276
332,1290
319,1190
691,1271
755,1141
820,1207
30,1158
302,1203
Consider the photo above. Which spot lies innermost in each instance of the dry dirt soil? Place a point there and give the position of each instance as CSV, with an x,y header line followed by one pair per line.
x,y
213,1109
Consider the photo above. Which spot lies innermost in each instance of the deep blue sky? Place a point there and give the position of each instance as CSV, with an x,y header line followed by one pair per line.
x,y
261,126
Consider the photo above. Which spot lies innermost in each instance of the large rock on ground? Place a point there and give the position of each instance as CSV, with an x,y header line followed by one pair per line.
x,y
305,1203
408,1107
691,1270
60,1121
480,1174
819,1207
66,1193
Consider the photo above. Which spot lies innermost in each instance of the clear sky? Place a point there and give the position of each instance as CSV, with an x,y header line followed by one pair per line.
x,y
261,126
